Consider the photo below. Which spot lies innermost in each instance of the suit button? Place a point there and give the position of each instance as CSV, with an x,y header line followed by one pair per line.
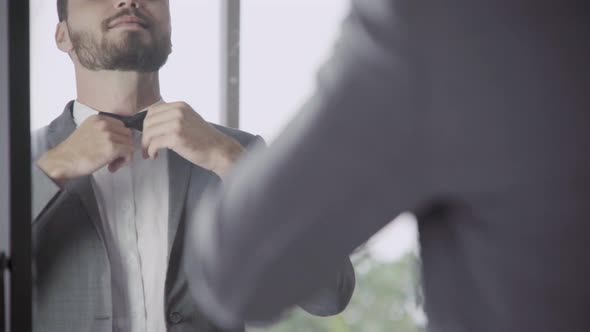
x,y
175,317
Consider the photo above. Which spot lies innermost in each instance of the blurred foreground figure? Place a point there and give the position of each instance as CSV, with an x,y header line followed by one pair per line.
x,y
474,115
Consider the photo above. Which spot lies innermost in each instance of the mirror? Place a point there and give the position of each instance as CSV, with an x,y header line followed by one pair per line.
x,y
107,238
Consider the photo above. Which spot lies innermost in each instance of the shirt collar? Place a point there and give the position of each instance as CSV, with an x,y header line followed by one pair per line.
x,y
82,112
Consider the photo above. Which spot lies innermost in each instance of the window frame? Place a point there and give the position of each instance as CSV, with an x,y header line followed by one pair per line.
x,y
230,64
16,107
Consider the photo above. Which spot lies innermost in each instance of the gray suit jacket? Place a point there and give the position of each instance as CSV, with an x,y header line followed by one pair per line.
x,y
71,282
475,115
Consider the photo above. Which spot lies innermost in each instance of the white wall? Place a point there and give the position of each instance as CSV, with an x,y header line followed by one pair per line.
x,y
283,44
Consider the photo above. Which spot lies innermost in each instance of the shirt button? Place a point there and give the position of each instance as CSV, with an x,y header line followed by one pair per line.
x,y
175,317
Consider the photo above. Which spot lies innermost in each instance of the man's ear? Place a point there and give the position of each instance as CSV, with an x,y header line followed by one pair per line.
x,y
62,37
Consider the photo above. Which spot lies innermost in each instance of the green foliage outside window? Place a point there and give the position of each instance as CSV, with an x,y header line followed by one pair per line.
x,y
387,298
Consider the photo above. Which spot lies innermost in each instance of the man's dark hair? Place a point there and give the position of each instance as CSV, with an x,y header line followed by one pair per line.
x,y
62,10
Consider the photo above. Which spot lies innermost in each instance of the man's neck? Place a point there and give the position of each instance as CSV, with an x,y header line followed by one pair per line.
x,y
123,93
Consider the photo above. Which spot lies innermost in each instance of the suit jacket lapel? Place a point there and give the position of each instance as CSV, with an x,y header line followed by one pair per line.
x,y
179,171
60,129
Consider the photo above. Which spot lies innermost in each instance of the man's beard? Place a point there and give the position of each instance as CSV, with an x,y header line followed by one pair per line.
x,y
130,53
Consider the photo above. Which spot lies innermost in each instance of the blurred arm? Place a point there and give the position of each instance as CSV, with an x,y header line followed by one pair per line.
x,y
278,229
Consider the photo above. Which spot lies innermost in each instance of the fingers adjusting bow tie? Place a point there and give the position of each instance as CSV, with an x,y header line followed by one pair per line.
x,y
133,122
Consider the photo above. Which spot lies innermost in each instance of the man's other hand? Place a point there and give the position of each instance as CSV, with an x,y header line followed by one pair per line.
x,y
176,126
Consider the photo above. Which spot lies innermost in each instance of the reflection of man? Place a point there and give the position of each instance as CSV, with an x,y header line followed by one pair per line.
x,y
473,114
110,201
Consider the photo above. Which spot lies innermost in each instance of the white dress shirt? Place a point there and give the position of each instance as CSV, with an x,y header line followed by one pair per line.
x,y
133,205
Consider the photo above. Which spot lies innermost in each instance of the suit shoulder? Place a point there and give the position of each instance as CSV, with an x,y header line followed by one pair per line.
x,y
244,138
39,142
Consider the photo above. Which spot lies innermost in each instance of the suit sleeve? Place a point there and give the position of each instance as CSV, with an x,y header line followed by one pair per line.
x,y
44,191
351,161
332,298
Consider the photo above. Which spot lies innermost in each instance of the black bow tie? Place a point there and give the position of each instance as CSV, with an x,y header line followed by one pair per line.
x,y
133,122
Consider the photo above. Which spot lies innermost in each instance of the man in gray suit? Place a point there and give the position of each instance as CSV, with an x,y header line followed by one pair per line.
x,y
475,115
113,189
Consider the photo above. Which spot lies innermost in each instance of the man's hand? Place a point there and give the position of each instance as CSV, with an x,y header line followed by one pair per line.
x,y
97,142
178,127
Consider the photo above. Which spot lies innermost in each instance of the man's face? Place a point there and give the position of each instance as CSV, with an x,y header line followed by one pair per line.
x,y
132,35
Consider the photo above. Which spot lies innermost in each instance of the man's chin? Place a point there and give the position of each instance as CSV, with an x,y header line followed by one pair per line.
x,y
130,40
130,27
126,35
